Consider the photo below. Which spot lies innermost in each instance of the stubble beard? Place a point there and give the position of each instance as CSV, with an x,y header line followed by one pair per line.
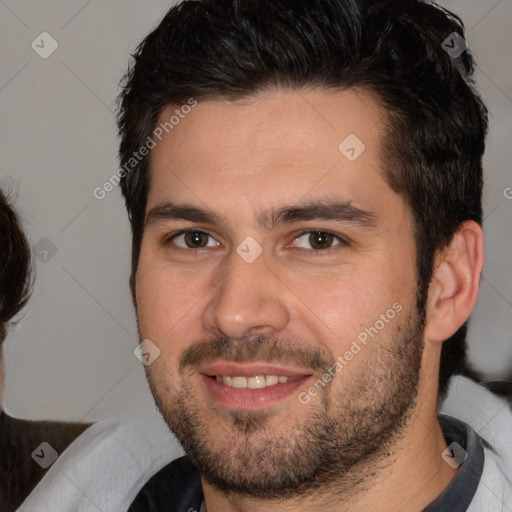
x,y
334,445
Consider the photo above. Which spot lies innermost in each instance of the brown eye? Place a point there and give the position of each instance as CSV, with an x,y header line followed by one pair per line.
x,y
195,239
321,240
318,240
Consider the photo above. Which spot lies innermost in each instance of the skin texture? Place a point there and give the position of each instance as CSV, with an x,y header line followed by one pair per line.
x,y
372,433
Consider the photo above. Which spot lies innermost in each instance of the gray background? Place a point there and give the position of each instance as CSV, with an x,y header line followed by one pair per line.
x,y
71,355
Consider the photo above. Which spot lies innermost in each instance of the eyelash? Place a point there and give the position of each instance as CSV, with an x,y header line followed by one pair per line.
x,y
341,241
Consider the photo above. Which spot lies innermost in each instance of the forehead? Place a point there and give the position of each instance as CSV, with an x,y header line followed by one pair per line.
x,y
274,148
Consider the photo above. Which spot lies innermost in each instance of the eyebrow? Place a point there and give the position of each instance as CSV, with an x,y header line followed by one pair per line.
x,y
324,210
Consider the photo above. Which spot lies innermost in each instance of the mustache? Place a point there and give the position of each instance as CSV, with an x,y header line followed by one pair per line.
x,y
255,348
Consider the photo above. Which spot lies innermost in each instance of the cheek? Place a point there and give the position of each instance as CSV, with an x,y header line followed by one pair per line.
x,y
352,303
165,300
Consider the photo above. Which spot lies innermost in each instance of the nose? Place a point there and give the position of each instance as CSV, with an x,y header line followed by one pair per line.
x,y
250,299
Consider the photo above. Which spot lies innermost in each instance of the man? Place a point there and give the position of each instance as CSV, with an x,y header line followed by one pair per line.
x,y
303,181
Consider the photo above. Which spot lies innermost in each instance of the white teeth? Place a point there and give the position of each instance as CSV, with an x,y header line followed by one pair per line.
x,y
271,380
253,382
239,382
256,382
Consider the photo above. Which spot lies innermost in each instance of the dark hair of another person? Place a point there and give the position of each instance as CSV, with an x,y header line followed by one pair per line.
x,y
230,49
18,438
15,266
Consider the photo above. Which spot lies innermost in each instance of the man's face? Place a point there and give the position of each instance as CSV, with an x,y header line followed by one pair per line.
x,y
277,277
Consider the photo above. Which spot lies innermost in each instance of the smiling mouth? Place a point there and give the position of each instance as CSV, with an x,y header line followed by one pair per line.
x,y
250,385
253,381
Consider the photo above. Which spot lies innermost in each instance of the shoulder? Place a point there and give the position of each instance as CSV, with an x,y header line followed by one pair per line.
x,y
106,466
495,489
490,416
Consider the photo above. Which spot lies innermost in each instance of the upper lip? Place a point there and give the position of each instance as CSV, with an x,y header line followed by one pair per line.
x,y
250,369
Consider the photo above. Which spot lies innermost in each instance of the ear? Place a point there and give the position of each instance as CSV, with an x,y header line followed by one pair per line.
x,y
455,282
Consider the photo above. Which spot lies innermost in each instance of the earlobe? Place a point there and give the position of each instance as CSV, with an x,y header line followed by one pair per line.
x,y
455,282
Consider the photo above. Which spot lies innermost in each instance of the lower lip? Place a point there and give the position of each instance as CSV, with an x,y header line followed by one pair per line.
x,y
251,399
